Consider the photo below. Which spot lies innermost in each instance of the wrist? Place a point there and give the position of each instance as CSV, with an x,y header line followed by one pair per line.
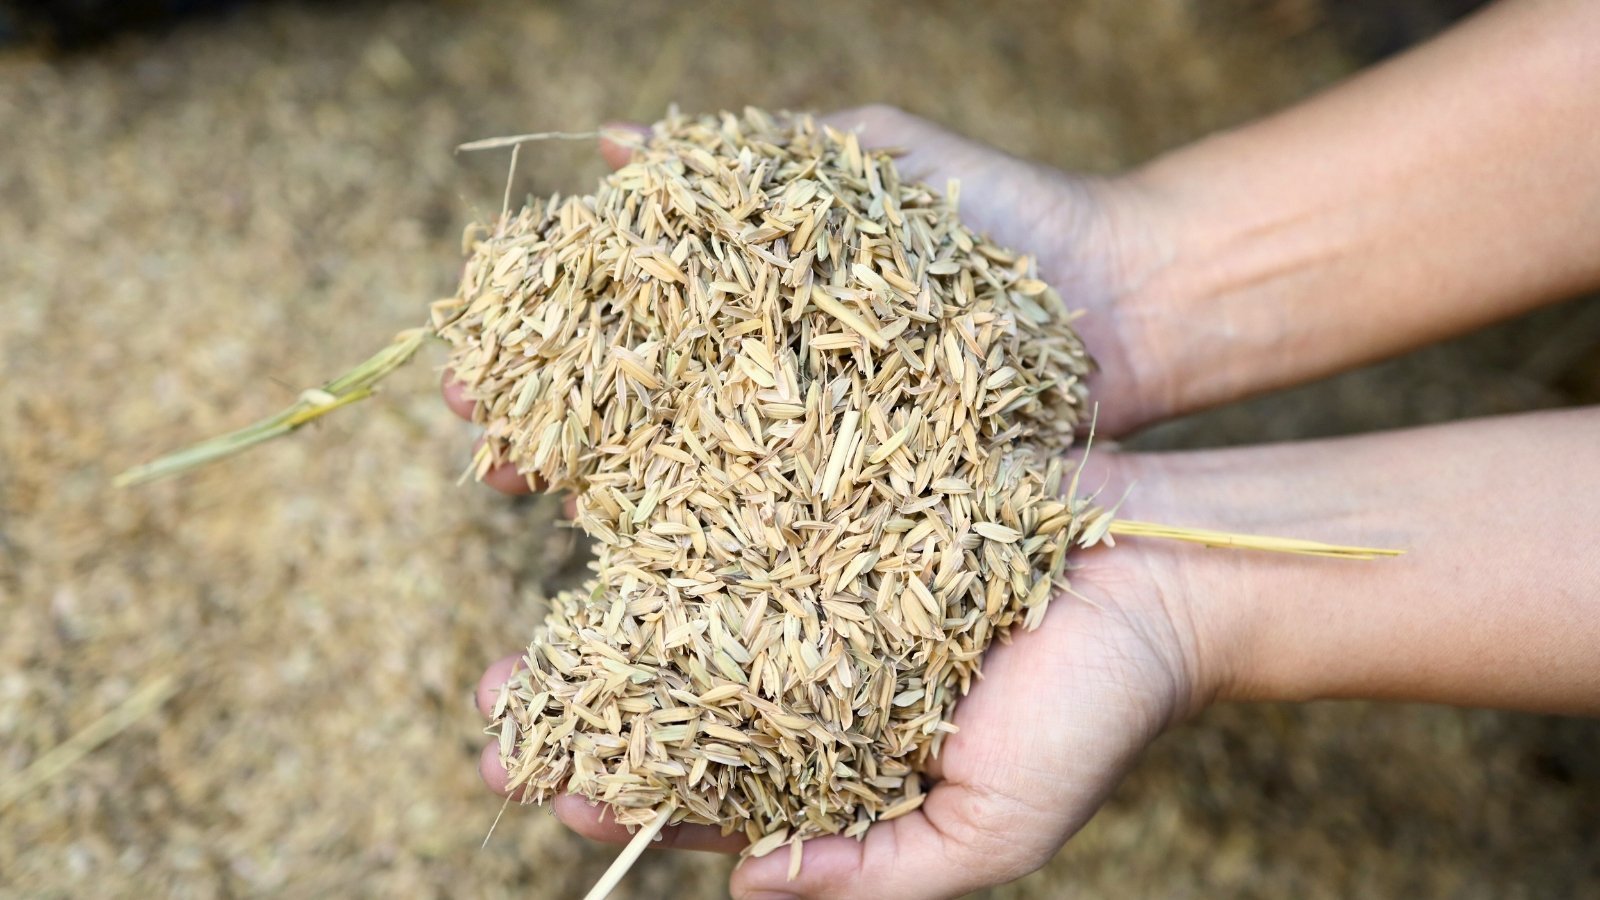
x,y
1204,277
1218,287
1123,255
1234,612
1190,593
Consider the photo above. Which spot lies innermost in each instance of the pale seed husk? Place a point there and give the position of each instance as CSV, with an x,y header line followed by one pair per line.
x,y
813,424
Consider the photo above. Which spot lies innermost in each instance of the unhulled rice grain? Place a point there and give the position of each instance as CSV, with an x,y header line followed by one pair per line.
x,y
814,425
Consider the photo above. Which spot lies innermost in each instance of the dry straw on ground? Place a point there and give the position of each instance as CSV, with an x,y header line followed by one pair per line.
x,y
816,426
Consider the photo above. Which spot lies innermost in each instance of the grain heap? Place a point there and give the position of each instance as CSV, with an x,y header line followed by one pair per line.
x,y
813,423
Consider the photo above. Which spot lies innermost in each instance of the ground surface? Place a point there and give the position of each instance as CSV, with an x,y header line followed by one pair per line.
x,y
195,224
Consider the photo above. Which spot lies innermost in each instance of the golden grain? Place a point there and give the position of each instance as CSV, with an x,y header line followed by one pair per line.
x,y
808,417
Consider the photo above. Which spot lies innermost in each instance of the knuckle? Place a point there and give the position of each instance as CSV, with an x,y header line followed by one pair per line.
x,y
985,836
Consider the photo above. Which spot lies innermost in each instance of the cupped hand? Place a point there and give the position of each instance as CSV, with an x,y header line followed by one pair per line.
x,y
1059,716
1057,719
1099,241
1061,712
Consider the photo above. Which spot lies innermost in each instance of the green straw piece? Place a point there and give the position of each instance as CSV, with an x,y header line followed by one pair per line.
x,y
355,385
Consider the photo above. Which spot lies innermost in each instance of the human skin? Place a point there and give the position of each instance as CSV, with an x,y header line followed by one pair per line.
x,y
1456,185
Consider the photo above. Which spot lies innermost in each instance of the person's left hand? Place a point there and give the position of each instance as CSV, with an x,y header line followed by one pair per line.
x,y
1058,717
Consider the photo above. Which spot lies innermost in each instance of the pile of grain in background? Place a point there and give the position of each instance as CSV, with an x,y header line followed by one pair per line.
x,y
816,426
192,221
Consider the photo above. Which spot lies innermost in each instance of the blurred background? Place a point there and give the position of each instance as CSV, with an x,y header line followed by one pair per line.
x,y
257,679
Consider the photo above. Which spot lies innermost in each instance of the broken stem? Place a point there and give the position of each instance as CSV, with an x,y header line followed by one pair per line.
x,y
625,860
1206,537
142,702
355,385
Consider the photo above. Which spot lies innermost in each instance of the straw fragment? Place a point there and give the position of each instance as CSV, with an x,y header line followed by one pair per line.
x,y
357,384
811,440
148,698
630,854
1209,538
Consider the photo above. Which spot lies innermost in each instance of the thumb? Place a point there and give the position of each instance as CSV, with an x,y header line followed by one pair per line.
x,y
935,852
615,151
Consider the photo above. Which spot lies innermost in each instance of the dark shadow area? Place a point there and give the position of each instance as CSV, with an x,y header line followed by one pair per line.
x,y
1374,29
76,26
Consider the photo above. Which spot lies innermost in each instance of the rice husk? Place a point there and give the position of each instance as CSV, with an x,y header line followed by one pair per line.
x,y
814,427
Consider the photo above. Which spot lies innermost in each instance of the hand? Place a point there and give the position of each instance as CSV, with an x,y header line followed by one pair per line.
x,y
1098,241
1158,632
1061,712
1318,239
1059,716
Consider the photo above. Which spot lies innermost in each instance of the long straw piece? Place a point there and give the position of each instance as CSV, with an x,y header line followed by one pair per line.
x,y
1132,528
357,384
621,136
625,860
512,140
58,759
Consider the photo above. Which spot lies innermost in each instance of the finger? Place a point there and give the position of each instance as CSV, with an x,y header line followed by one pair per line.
x,y
928,151
596,822
455,396
494,677
491,771
506,479
503,477
617,154
930,854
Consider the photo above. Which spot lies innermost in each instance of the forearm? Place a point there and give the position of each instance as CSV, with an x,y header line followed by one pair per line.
x,y
1453,186
1496,602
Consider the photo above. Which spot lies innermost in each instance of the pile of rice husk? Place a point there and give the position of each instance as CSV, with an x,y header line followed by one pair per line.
x,y
814,425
